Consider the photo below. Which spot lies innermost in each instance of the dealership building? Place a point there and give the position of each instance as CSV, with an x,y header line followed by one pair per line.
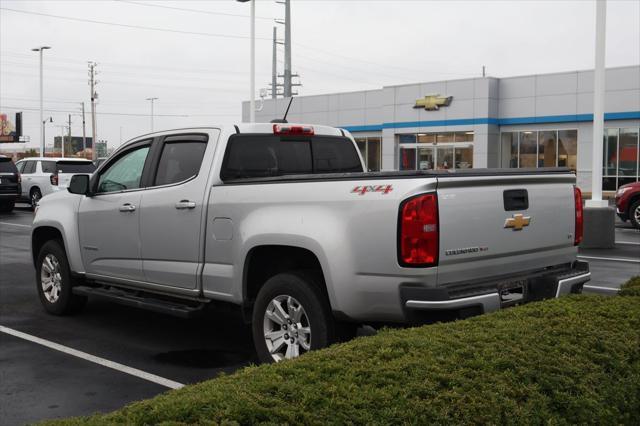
x,y
542,120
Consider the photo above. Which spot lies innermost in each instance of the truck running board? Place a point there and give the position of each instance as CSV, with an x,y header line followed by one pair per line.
x,y
171,307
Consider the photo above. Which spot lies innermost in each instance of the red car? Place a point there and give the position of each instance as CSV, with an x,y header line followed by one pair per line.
x,y
628,203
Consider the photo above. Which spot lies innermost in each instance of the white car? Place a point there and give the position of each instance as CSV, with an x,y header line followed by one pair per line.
x,y
44,175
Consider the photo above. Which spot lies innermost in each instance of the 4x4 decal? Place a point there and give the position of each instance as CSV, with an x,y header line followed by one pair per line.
x,y
361,190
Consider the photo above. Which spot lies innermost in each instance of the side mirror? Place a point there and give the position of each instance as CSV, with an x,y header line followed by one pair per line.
x,y
79,185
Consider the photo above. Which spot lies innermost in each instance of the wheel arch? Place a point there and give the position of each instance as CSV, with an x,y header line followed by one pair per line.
x,y
264,261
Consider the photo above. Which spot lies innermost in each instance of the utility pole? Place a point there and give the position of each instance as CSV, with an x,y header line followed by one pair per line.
x,y
274,65
287,48
41,49
483,71
288,83
84,131
94,96
152,100
69,139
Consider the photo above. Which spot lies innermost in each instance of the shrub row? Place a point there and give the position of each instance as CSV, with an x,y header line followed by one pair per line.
x,y
566,361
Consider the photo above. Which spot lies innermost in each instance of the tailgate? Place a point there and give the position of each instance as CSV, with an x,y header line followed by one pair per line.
x,y
499,225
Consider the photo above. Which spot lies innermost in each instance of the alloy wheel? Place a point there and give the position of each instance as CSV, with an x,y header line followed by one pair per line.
x,y
287,331
50,278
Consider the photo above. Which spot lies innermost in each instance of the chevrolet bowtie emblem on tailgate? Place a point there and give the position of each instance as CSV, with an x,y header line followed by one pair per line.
x,y
433,102
517,222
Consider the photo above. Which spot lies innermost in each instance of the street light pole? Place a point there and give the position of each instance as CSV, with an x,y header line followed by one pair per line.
x,y
152,100
41,49
598,107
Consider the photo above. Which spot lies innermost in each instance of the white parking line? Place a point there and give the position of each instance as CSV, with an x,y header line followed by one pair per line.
x,y
630,243
614,259
15,224
92,358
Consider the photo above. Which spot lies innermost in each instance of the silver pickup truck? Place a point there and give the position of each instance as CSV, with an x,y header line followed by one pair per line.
x,y
281,221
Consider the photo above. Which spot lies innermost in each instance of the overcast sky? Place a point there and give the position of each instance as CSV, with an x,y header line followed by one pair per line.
x,y
198,64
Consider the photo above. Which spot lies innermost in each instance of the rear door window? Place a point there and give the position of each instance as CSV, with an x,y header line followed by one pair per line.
x,y
29,167
75,167
48,166
180,160
254,156
7,166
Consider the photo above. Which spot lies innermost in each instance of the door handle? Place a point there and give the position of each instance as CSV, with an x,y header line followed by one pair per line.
x,y
127,208
185,204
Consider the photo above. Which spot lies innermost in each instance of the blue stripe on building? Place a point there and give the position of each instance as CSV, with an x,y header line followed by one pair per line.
x,y
572,118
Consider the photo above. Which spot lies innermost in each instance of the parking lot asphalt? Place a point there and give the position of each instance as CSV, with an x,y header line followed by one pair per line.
x,y
37,382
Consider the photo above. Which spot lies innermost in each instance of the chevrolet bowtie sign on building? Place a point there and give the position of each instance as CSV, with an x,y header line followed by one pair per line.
x,y
433,102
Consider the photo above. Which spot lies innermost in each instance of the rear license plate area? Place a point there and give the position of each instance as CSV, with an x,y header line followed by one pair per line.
x,y
513,292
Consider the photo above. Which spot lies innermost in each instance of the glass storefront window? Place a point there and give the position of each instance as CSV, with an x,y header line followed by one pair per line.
x,y
370,148
374,154
464,157
509,147
528,149
621,160
547,145
610,148
628,152
425,158
568,149
444,160
427,138
407,158
544,148
407,138
444,137
463,137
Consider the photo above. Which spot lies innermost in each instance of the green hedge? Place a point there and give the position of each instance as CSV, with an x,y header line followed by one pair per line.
x,y
571,360
631,287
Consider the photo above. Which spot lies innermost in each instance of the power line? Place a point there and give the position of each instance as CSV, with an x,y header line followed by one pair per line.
x,y
18,108
107,64
184,9
137,27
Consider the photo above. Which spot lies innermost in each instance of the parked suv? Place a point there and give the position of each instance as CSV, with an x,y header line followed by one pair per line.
x,y
44,175
628,203
9,184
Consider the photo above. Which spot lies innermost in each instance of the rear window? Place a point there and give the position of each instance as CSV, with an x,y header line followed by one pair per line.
x,y
252,156
75,167
7,166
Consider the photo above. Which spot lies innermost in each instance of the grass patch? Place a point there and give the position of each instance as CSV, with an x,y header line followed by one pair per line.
x,y
565,361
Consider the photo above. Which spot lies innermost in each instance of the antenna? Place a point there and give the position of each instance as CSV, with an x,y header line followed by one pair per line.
x,y
284,119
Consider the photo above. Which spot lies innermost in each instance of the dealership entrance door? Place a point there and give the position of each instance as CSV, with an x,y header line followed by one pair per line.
x,y
443,157
435,151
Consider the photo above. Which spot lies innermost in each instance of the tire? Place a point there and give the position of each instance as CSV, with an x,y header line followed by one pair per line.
x,y
634,214
314,328
34,196
52,269
7,206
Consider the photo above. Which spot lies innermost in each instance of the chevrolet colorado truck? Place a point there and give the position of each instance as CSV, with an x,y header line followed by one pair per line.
x,y
281,221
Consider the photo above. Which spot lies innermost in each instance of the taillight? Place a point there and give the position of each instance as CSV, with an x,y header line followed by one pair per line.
x,y
577,196
285,129
54,179
418,231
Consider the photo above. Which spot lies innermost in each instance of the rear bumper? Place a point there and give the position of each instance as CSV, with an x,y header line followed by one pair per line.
x,y
9,196
489,296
